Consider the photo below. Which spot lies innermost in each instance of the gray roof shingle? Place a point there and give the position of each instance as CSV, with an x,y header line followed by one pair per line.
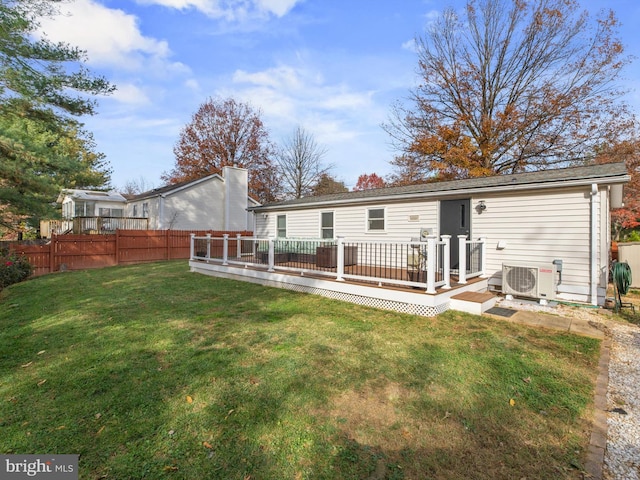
x,y
555,176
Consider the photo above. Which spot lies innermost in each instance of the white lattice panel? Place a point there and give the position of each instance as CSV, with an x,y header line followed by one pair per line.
x,y
413,309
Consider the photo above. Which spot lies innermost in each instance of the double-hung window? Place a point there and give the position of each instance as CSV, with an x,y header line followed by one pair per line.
x,y
326,224
375,220
281,226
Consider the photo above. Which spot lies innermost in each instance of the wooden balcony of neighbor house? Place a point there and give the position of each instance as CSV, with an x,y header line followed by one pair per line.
x,y
413,277
91,225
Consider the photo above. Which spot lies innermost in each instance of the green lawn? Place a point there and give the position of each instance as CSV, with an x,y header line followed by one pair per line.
x,y
150,371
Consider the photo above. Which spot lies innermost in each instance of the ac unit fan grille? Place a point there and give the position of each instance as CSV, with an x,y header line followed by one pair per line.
x,y
521,279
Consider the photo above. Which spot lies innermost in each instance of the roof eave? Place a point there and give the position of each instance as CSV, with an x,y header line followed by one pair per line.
x,y
601,180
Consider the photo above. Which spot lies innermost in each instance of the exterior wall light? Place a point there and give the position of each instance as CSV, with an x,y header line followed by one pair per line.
x,y
481,207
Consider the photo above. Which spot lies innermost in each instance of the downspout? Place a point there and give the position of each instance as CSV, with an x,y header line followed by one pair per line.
x,y
227,204
161,213
595,202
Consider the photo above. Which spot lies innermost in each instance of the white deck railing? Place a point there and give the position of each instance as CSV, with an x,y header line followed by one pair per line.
x,y
421,264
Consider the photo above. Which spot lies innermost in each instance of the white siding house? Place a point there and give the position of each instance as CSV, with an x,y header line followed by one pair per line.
x,y
215,202
558,218
89,203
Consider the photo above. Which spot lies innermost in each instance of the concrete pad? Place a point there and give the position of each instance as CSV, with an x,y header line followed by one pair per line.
x,y
554,322
582,327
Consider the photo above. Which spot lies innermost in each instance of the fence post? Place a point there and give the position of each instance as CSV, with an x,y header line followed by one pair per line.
x,y
446,261
192,246
225,249
52,249
239,246
462,259
483,256
272,249
431,264
340,259
117,247
167,244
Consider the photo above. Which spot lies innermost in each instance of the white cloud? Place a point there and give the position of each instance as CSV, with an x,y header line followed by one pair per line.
x,y
230,10
130,94
110,36
410,45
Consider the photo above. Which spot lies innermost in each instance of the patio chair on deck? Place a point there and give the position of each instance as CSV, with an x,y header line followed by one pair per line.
x,y
417,257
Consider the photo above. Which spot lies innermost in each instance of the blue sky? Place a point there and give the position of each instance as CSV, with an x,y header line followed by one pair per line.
x,y
334,67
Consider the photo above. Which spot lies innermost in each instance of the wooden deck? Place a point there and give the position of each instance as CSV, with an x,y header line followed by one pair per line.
x,y
309,278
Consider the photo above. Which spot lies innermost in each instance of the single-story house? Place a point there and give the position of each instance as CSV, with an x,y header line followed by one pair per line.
x,y
553,223
214,202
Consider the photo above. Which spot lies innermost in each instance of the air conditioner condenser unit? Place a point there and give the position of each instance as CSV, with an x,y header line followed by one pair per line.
x,y
531,281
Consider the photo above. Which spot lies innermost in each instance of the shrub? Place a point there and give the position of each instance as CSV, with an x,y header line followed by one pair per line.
x,y
13,269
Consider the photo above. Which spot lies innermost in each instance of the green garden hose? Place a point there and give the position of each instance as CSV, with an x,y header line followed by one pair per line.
x,y
621,275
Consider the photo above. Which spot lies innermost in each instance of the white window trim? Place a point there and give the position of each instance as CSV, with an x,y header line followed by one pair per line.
x,y
286,225
366,221
333,227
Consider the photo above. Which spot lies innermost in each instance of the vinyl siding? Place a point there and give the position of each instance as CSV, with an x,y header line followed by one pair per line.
x,y
197,207
539,227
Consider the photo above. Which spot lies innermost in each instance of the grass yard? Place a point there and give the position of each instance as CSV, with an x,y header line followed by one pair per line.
x,y
150,371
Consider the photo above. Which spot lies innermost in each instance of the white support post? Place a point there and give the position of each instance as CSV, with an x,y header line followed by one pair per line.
x,y
192,247
431,264
462,259
340,260
225,249
446,261
238,246
483,257
208,246
272,254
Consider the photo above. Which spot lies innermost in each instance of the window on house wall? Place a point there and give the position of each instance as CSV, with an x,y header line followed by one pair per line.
x,y
85,209
282,226
104,212
326,224
375,219
135,210
145,210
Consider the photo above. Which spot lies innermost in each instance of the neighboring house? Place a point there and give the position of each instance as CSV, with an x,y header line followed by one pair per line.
x,y
558,219
89,203
215,202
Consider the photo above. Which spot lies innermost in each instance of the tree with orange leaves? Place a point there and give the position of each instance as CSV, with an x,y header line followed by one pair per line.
x,y
368,182
628,217
226,133
510,86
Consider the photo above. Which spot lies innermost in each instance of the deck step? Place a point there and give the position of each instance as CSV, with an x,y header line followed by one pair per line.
x,y
473,302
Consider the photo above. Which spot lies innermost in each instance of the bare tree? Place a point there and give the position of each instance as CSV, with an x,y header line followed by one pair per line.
x,y
299,161
136,186
511,85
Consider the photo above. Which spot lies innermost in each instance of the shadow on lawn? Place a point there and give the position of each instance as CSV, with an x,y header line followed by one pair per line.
x,y
192,377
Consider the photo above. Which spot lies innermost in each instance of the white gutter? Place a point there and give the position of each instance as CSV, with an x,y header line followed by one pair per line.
x,y
227,204
161,213
593,284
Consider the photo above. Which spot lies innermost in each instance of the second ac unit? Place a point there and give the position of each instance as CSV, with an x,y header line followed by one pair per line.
x,y
529,281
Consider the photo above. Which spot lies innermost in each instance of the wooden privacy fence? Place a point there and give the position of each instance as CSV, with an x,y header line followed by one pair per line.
x,y
79,252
